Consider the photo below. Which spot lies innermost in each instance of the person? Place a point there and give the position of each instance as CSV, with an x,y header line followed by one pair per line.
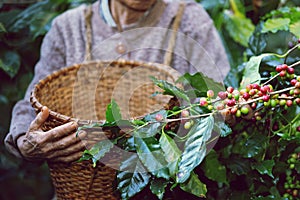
x,y
67,43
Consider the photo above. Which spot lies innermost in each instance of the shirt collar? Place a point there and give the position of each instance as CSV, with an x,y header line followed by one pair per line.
x,y
108,18
105,13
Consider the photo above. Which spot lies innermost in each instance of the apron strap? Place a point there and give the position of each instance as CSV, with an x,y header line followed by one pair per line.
x,y
172,40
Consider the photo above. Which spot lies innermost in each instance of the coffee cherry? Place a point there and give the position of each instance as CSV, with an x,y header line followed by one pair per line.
x,y
255,86
248,87
244,110
253,105
246,96
290,70
282,73
297,85
298,128
284,67
296,91
273,103
293,82
267,103
258,117
231,102
185,113
222,95
203,101
266,98
238,113
260,93
233,110
236,97
289,103
282,102
278,68
252,92
159,117
230,89
187,125
210,107
263,90
297,101
210,93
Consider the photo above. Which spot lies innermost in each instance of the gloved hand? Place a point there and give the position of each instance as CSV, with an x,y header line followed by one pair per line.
x,y
59,144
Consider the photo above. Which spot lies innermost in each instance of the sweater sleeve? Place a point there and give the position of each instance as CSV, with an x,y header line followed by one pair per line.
x,y
52,58
205,50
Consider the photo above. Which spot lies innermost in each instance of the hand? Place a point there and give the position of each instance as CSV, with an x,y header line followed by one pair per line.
x,y
59,144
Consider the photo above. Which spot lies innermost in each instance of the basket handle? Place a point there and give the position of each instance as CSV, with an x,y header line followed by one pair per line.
x,y
172,40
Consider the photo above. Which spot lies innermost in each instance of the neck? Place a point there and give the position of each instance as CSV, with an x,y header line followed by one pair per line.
x,y
123,14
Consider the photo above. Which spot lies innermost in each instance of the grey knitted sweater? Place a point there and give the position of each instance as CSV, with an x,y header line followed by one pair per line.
x,y
198,48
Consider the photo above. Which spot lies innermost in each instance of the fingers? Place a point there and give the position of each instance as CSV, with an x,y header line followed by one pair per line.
x,y
39,120
59,132
70,158
77,147
65,142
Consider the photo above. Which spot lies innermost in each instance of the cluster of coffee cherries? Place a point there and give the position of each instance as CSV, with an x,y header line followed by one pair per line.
x,y
292,183
240,102
250,102
285,71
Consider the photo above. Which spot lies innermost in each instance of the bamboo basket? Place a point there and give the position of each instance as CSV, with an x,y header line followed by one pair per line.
x,y
81,93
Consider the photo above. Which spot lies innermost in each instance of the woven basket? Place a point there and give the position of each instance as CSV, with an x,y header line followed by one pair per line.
x,y
81,93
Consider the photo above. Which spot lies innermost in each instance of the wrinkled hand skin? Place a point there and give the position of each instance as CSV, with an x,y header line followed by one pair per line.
x,y
58,145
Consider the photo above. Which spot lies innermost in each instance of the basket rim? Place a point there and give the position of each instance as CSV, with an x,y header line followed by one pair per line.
x,y
38,106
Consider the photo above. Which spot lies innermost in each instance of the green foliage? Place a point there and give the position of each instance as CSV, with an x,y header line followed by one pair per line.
x,y
132,177
195,147
250,161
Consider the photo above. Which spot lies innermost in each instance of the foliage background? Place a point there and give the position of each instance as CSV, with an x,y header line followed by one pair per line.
x,y
22,27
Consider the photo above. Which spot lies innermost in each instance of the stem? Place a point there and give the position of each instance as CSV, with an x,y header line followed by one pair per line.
x,y
288,52
283,90
270,79
294,64
190,117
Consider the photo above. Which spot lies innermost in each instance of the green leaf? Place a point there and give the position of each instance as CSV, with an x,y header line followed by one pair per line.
x,y
238,165
41,23
113,113
251,146
251,73
213,168
2,28
9,62
152,156
222,128
194,186
170,89
149,130
200,84
239,28
295,29
132,177
265,167
97,151
274,25
171,151
158,186
195,147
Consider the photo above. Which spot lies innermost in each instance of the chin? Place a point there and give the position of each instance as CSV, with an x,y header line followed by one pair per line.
x,y
140,5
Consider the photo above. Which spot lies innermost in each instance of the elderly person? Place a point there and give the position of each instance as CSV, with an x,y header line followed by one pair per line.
x,y
86,29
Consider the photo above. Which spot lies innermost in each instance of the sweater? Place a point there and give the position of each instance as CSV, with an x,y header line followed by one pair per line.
x,y
198,48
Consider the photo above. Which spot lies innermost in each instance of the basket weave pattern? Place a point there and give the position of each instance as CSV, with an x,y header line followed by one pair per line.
x,y
81,93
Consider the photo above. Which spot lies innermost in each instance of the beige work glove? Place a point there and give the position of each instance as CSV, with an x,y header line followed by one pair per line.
x,y
58,145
